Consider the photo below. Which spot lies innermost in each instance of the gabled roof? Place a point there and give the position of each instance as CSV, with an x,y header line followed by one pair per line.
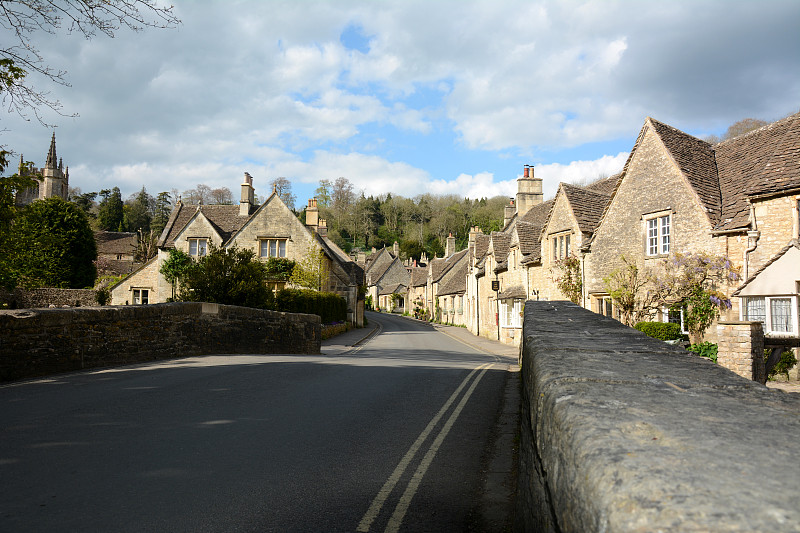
x,y
225,220
499,245
419,276
587,205
115,242
481,245
695,158
456,282
763,161
794,243
378,266
441,266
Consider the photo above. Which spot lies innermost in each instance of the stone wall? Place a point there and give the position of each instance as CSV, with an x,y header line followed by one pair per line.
x,y
45,297
622,432
35,342
740,349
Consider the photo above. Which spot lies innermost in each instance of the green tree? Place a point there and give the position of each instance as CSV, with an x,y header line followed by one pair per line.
x,y
161,211
174,267
568,277
9,187
136,212
110,214
230,276
311,272
323,193
56,246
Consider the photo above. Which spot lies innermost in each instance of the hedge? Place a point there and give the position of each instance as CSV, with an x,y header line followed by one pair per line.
x,y
665,331
329,306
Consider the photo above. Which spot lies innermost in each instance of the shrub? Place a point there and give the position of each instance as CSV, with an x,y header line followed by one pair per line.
x,y
787,362
665,331
329,306
705,349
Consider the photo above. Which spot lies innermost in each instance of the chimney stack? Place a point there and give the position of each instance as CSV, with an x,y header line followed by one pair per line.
x,y
529,191
322,227
450,247
396,249
312,214
248,195
509,212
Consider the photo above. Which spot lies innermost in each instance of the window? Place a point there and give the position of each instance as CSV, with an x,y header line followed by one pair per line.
x,y
777,314
561,247
658,235
510,313
273,248
141,296
605,307
198,247
677,316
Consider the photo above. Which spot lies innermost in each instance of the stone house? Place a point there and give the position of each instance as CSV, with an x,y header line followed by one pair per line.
x,y
269,230
387,280
116,251
447,279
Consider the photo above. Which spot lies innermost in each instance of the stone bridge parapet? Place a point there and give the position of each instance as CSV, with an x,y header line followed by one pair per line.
x,y
622,432
35,342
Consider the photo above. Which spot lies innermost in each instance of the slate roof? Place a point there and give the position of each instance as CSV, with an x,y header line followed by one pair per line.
x,y
516,292
225,220
606,185
419,276
500,243
696,160
441,266
587,205
763,161
115,242
457,280
395,288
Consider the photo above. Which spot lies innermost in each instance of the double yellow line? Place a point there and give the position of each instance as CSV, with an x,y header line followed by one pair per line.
x,y
405,500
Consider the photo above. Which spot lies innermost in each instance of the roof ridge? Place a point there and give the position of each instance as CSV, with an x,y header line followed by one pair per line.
x,y
791,117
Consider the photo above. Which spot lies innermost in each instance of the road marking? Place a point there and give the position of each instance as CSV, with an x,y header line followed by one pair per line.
x,y
383,494
405,500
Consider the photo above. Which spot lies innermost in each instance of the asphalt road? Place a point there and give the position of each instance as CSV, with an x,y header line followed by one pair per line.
x,y
390,436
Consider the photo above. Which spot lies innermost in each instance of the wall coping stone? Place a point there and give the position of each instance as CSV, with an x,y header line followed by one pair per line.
x,y
622,432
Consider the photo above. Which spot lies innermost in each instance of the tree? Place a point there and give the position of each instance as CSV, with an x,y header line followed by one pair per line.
x,y
85,201
146,246
199,195
311,272
231,276
323,193
222,196
9,187
137,212
56,246
161,212
110,213
283,188
567,275
174,267
23,19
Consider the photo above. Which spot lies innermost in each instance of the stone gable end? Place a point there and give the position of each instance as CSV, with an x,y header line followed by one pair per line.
x,y
653,185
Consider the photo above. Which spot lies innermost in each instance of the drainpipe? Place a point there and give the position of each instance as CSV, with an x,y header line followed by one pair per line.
x,y
752,237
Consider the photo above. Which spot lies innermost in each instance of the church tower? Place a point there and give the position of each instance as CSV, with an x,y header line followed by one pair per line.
x,y
55,180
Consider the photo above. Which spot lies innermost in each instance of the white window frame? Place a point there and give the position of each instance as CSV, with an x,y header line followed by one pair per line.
x,y
561,246
140,296
198,246
658,234
682,320
272,247
768,322
510,311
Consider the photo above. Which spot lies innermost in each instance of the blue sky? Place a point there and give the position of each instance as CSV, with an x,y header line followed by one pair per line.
x,y
407,97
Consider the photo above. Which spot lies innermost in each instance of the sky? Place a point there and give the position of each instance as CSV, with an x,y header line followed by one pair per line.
x,y
404,97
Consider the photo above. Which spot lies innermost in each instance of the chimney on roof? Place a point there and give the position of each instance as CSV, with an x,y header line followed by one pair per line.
x,y
529,191
247,199
312,214
450,247
509,212
396,249
473,236
322,227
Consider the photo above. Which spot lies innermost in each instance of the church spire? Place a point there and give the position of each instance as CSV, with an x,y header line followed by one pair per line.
x,y
51,155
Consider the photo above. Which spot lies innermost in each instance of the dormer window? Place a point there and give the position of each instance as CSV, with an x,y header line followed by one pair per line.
x,y
198,247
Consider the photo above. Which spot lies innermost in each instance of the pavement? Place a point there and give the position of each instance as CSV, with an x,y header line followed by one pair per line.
x,y
496,507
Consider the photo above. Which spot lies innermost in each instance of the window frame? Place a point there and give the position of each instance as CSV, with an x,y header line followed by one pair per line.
x,y
265,244
196,241
657,234
510,314
768,321
140,295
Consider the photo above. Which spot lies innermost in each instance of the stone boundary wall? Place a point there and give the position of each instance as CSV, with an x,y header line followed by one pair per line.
x,y
45,297
622,432
36,342
740,349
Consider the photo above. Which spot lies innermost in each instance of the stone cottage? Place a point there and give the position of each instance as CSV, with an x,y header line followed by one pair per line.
x,y
269,230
